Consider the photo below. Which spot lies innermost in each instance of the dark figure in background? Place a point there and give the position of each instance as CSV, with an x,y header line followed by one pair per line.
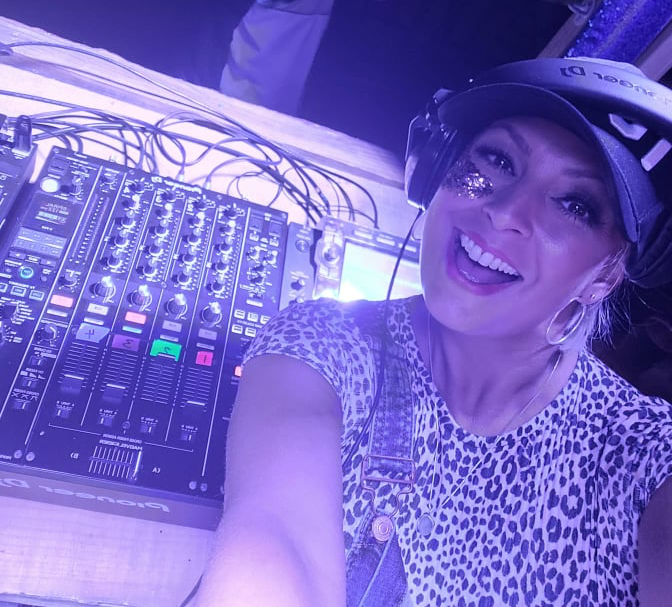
x,y
466,447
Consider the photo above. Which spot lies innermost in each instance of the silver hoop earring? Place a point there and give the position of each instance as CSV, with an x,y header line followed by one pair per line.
x,y
570,329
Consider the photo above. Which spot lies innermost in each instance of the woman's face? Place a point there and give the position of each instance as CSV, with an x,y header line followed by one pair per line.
x,y
521,224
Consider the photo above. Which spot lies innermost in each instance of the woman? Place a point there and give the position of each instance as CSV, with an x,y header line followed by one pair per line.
x,y
464,447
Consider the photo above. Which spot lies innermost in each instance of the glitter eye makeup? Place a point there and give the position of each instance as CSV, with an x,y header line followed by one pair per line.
x,y
465,180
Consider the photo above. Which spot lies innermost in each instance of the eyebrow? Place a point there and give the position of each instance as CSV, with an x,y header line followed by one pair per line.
x,y
520,141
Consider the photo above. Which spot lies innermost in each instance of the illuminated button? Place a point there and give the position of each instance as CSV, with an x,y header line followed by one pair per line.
x,y
170,325
95,308
26,272
62,300
130,329
18,291
3,287
204,358
239,314
92,333
124,342
135,317
263,319
237,329
161,347
37,295
250,331
238,371
252,316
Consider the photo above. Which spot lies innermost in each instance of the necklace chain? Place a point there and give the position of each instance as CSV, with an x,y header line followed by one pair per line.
x,y
426,522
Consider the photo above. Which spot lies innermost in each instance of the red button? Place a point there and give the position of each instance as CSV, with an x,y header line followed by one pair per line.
x,y
204,358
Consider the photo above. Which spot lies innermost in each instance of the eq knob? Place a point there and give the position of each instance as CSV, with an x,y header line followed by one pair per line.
x,y
220,266
142,296
113,260
127,221
154,250
184,276
104,287
120,242
149,267
194,238
130,205
160,231
177,305
198,220
217,286
212,313
225,246
46,333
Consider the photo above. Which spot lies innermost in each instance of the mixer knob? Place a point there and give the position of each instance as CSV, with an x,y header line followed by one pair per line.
x,y
188,258
149,268
298,284
198,220
220,266
217,286
46,333
160,231
228,228
194,238
184,276
137,186
154,250
231,212
212,313
113,260
68,280
224,247
127,222
177,306
168,195
142,296
104,287
120,242
256,278
201,204
130,205
166,212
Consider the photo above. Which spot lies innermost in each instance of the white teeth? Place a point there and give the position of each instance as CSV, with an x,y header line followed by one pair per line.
x,y
485,258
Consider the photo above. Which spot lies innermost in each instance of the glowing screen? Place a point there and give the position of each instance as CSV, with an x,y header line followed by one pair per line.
x,y
366,275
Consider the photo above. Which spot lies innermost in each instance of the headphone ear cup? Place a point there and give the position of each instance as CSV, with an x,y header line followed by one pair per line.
x,y
426,166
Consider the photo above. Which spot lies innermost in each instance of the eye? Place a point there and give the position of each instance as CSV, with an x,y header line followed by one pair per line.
x,y
579,207
497,158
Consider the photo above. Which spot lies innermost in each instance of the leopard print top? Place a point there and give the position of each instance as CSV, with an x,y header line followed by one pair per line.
x,y
549,517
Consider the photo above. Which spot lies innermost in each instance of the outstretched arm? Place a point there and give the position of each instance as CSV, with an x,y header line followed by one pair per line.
x,y
280,541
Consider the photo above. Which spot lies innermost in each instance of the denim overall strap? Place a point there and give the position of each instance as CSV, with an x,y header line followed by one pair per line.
x,y
374,568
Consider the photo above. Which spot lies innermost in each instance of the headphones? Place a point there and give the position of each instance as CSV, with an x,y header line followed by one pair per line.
x,y
616,97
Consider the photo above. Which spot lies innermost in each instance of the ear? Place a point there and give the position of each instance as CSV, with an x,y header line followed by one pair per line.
x,y
607,279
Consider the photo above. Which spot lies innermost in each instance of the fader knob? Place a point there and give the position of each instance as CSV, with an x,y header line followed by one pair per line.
x,y
177,305
212,313
104,287
141,296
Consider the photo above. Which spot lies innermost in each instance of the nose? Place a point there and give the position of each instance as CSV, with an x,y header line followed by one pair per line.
x,y
512,209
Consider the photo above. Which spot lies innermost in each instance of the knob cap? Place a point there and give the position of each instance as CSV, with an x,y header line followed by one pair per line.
x,y
184,276
104,287
217,286
177,305
141,296
212,313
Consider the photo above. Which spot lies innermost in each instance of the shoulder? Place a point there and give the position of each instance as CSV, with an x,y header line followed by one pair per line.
x,y
636,430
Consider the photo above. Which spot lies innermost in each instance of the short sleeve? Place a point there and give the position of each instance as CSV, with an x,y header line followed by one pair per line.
x,y
324,335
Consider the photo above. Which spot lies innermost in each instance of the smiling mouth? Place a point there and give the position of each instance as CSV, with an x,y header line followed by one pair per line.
x,y
482,267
